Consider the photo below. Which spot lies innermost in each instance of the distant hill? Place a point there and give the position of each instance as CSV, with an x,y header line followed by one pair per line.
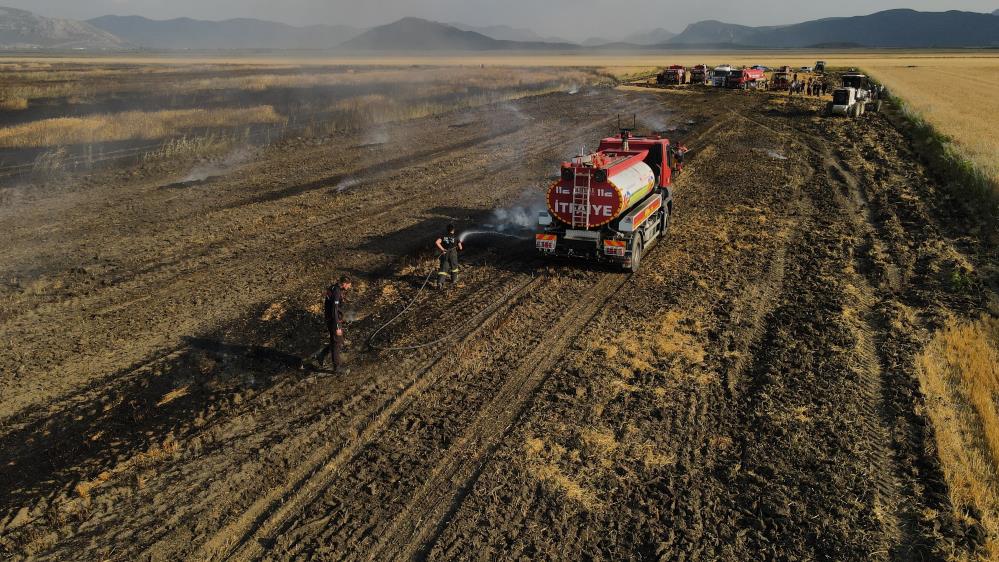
x,y
415,34
508,33
714,32
653,37
596,42
995,13
186,33
20,29
891,28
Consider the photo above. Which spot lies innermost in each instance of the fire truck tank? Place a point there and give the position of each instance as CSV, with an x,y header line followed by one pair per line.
x,y
608,184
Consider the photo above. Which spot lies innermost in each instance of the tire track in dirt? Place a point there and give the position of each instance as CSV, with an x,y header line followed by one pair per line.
x,y
99,394
415,530
873,279
237,539
850,219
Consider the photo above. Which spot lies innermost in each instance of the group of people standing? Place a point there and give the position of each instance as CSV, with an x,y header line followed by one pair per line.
x,y
807,87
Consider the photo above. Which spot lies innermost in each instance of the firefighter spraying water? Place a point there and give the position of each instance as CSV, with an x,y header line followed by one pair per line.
x,y
449,245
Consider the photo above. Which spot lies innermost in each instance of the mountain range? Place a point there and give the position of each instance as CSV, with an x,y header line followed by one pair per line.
x,y
186,33
20,29
415,34
508,33
887,29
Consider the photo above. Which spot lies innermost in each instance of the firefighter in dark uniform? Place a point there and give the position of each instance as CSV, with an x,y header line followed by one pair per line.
x,y
678,152
333,312
449,244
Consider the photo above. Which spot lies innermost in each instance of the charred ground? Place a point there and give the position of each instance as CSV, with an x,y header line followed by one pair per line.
x,y
750,393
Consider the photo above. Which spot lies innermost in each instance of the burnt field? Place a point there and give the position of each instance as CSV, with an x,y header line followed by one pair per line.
x,y
70,117
751,393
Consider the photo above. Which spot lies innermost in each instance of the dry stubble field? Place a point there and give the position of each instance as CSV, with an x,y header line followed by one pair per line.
x,y
800,371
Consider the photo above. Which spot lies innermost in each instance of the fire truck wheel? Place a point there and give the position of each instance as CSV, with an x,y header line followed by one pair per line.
x,y
636,253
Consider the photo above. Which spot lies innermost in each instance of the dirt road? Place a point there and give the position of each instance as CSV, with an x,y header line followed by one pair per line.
x,y
748,394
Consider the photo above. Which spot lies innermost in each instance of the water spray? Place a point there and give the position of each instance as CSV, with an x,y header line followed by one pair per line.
x,y
470,233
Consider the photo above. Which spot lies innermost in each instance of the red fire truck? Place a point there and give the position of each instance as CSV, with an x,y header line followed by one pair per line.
x,y
746,78
612,204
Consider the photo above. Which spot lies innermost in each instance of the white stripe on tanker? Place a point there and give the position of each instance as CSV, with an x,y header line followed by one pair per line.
x,y
633,183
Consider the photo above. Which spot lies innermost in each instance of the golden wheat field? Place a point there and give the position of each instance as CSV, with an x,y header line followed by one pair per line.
x,y
959,374
959,96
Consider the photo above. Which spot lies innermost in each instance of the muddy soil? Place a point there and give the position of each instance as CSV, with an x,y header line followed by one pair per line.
x,y
749,394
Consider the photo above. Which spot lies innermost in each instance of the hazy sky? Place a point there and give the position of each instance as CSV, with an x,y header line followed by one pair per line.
x,y
572,19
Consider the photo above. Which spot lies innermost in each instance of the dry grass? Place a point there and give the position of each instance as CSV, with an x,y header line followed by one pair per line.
x,y
671,347
129,125
377,108
959,374
957,96
543,463
173,395
90,82
13,103
186,146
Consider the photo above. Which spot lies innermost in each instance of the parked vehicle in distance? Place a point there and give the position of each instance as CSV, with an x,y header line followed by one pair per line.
x,y
673,76
720,75
781,80
700,75
747,78
853,99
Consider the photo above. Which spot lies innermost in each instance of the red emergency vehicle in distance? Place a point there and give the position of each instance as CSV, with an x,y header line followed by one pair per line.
x,y
746,78
673,76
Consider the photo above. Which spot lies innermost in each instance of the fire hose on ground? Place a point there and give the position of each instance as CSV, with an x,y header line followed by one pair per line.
x,y
426,281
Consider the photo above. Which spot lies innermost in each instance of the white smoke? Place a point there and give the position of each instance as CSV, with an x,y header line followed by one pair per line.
x,y
346,184
520,216
772,152
232,160
655,121
374,136
509,106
